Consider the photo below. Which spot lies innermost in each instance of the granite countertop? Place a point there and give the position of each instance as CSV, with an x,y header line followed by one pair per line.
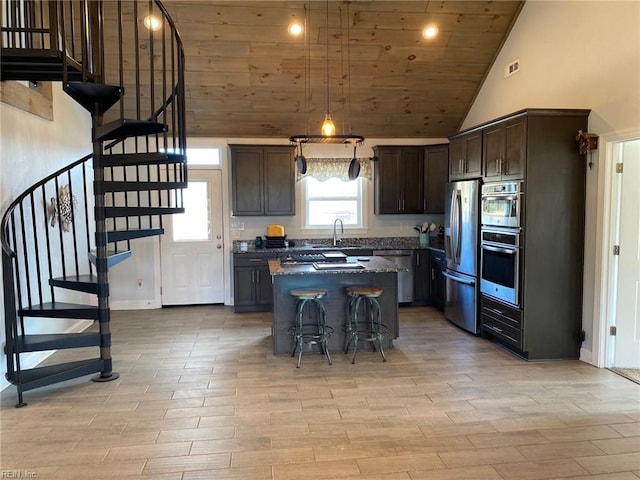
x,y
369,265
373,243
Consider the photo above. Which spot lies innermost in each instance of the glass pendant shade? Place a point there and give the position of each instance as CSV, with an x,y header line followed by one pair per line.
x,y
328,128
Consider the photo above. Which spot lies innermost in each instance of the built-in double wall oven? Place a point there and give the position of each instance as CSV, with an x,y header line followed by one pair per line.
x,y
500,241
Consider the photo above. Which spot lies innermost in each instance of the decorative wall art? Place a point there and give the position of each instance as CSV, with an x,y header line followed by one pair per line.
x,y
61,209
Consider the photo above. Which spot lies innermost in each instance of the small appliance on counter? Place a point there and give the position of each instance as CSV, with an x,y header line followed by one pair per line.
x,y
275,230
275,237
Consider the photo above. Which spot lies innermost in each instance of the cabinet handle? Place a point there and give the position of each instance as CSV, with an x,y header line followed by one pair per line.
x,y
495,310
424,205
460,166
496,329
433,274
255,259
253,277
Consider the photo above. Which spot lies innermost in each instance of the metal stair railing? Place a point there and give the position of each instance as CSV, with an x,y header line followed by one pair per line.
x,y
83,33
44,234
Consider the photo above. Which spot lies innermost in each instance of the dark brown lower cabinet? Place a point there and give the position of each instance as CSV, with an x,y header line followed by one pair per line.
x,y
502,322
421,277
437,266
429,282
252,288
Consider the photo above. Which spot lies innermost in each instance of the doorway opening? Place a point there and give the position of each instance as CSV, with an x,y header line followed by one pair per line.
x,y
621,328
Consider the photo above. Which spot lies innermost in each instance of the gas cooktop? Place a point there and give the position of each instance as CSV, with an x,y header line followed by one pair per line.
x,y
309,258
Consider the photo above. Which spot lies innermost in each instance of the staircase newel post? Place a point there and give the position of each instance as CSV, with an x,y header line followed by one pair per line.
x,y
102,270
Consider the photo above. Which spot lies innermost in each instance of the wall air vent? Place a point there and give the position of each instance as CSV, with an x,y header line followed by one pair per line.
x,y
512,68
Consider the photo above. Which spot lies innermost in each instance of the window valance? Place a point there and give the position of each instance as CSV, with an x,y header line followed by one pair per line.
x,y
323,169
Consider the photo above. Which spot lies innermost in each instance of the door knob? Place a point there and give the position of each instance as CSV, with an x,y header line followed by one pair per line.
x,y
218,246
218,236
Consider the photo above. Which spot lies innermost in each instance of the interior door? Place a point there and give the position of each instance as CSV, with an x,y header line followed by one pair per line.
x,y
192,252
627,321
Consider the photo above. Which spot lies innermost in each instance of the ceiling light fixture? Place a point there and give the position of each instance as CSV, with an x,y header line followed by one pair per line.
x,y
328,128
295,29
430,32
152,22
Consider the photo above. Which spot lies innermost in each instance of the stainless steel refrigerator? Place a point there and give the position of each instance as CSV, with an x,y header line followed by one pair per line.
x,y
461,249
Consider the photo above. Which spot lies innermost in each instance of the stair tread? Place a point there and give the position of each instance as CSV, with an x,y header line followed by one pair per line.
x,y
113,258
87,283
97,98
84,278
41,376
122,235
36,64
55,341
133,186
61,310
127,127
143,158
140,211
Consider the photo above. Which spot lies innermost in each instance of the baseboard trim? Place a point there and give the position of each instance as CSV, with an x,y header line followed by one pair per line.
x,y
135,304
587,356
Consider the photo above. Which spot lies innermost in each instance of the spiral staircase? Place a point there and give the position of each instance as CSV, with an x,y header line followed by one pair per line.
x,y
61,236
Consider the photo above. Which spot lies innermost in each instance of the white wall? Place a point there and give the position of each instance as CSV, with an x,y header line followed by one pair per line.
x,y
30,149
572,55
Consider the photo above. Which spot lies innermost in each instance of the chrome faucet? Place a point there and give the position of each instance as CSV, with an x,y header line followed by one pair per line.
x,y
335,235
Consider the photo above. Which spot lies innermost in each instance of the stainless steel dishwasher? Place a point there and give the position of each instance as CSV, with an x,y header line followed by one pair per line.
x,y
404,258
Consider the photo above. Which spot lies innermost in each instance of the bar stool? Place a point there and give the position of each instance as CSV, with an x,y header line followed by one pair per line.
x,y
369,327
310,332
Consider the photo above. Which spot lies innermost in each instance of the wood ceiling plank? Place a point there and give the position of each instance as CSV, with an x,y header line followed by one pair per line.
x,y
246,76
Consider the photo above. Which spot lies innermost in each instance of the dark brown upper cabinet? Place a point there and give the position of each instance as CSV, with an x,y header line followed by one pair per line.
x,y
505,149
465,156
263,180
398,179
436,161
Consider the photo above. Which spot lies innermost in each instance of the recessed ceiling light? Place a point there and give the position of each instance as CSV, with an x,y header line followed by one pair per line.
x,y
152,23
295,29
430,31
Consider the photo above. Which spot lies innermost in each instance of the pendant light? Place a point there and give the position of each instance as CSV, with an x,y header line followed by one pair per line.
x,y
328,129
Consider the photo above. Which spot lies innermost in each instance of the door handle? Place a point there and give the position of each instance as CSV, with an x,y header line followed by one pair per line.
x,y
218,236
218,246
458,279
499,250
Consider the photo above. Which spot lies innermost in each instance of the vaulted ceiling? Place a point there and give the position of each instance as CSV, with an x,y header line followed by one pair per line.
x,y
247,76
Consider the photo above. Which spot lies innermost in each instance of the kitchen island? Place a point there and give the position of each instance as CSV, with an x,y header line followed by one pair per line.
x,y
334,278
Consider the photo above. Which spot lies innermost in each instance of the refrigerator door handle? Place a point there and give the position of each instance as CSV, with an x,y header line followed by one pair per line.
x,y
458,220
450,239
458,279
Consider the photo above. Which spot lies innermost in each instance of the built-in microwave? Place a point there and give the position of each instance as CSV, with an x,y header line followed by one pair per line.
x,y
501,204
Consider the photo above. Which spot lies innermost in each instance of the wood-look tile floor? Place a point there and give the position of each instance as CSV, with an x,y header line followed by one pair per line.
x,y
200,396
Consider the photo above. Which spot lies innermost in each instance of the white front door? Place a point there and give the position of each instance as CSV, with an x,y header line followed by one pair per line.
x,y
192,252
627,303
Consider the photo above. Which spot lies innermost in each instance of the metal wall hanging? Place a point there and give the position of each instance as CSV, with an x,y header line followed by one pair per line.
x,y
62,208
587,142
